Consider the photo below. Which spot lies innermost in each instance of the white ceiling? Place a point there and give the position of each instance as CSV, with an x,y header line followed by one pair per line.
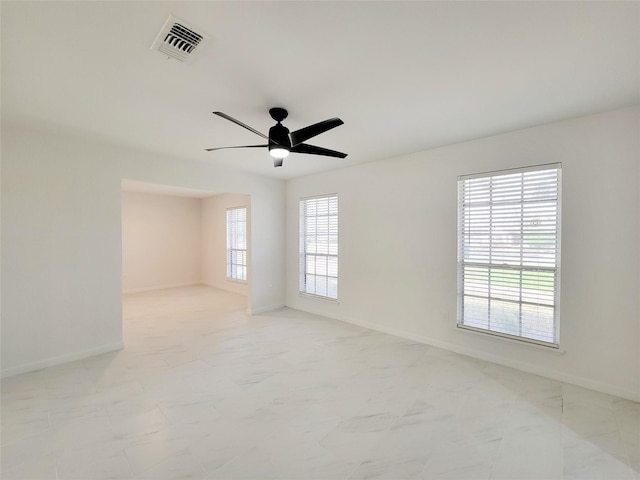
x,y
404,76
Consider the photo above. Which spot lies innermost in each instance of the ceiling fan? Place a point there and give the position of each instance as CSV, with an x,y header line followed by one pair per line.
x,y
281,142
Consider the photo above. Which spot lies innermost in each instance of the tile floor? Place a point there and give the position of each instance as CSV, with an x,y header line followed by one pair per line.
x,y
204,391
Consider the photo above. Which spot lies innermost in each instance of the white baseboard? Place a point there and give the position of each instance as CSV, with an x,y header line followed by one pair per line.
x,y
268,308
51,362
507,362
160,287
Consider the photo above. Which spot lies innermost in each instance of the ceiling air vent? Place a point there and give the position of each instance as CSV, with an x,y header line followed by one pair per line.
x,y
179,40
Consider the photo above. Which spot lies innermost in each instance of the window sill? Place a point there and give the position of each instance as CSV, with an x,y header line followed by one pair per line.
x,y
547,347
319,297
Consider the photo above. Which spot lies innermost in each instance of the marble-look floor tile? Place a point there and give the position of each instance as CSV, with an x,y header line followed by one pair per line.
x,y
25,422
602,457
36,467
179,467
574,395
157,447
296,456
252,464
94,465
518,449
391,469
589,420
631,442
204,391
455,460
351,447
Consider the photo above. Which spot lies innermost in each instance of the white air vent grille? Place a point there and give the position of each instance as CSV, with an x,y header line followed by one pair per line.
x,y
179,40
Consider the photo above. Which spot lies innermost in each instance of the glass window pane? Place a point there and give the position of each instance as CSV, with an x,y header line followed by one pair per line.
x,y
508,244
319,242
236,243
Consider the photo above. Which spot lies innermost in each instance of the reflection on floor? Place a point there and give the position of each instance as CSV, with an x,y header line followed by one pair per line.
x,y
204,391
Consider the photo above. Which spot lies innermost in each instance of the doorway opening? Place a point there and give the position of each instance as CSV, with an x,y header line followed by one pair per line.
x,y
177,238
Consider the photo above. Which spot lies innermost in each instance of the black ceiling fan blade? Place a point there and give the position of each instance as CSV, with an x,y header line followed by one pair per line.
x,y
243,125
306,133
313,150
239,146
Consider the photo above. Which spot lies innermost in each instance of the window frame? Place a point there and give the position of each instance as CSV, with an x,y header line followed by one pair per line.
x,y
233,238
304,254
490,266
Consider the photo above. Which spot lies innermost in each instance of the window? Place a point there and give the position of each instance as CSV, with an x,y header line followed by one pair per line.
x,y
237,243
509,253
319,246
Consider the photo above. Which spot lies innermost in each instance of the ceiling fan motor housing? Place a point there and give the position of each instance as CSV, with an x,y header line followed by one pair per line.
x,y
279,137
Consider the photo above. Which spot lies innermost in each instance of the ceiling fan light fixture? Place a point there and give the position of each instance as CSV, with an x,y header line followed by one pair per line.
x,y
278,152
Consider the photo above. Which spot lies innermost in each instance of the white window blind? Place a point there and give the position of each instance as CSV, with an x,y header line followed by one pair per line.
x,y
237,243
509,253
319,246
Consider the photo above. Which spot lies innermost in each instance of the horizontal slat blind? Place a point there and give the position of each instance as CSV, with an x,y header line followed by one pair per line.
x,y
508,252
319,246
237,243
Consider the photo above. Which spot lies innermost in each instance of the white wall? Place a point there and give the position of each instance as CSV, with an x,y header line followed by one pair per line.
x,y
61,240
161,241
398,247
214,241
